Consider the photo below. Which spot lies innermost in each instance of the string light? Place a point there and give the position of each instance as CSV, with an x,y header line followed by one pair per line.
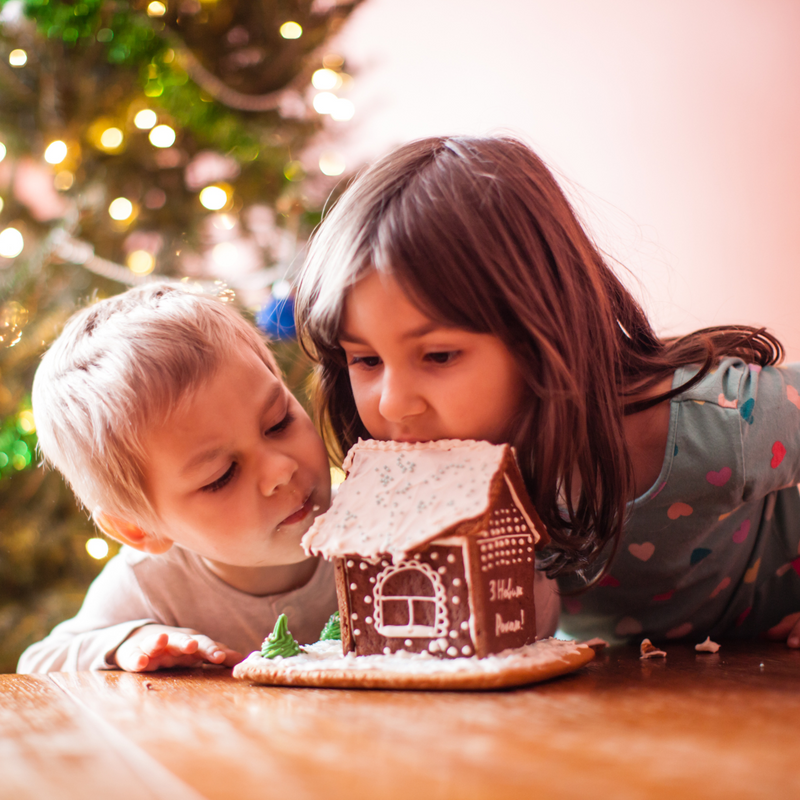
x,y
325,79
63,180
145,119
25,422
120,209
2,151
18,58
140,262
97,547
214,198
111,139
162,136
342,110
331,164
11,243
325,102
156,9
294,171
291,30
1,203
56,152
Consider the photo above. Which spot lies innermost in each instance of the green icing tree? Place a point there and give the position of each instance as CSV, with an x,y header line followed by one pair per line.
x,y
332,629
280,642
138,139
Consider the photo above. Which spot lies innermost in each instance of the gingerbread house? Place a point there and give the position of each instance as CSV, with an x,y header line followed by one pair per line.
x,y
434,549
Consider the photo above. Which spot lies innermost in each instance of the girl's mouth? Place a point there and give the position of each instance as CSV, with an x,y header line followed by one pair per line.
x,y
300,514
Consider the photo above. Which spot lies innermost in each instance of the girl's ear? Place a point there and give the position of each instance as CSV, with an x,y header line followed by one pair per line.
x,y
131,535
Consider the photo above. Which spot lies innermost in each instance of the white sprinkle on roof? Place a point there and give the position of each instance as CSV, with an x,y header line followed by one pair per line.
x,y
398,496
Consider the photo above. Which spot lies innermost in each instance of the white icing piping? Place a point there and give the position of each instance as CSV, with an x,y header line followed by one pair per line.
x,y
518,504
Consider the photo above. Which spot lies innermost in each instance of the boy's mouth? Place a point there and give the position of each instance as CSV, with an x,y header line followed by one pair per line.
x,y
300,514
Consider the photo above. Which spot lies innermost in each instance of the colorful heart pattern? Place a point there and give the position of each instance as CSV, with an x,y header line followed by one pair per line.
x,y
677,510
680,631
642,551
751,574
740,534
721,587
698,554
747,410
793,395
608,580
725,403
719,478
660,598
778,452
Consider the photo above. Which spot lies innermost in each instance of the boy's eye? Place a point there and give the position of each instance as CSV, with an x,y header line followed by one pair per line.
x,y
222,481
283,424
444,357
365,361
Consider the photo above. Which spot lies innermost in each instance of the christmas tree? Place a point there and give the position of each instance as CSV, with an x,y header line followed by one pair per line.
x,y
138,140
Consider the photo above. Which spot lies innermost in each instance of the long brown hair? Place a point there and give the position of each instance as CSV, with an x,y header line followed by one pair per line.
x,y
481,237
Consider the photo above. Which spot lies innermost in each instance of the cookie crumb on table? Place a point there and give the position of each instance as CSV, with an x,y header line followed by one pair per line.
x,y
648,650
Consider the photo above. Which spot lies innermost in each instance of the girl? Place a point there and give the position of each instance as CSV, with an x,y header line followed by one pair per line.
x,y
452,292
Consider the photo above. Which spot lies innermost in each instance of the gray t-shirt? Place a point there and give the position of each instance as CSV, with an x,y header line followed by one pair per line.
x,y
713,547
179,590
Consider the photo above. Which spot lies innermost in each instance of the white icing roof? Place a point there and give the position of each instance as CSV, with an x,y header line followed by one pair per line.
x,y
398,496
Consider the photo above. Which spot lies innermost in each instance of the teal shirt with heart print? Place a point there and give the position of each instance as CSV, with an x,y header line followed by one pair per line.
x,y
713,547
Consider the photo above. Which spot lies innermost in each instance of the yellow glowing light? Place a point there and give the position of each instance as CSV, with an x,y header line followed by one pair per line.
x,y
325,102
331,164
56,152
145,119
162,136
324,79
141,262
337,476
18,58
97,547
156,9
294,171
120,209
343,110
1,204
25,422
213,198
111,138
11,243
2,151
63,180
291,30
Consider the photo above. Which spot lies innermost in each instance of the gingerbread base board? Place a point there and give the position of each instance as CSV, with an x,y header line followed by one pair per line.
x,y
323,666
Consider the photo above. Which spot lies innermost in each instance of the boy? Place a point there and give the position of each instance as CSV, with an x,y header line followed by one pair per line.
x,y
166,413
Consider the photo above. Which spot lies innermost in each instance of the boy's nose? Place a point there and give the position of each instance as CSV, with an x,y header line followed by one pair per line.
x,y
276,470
399,398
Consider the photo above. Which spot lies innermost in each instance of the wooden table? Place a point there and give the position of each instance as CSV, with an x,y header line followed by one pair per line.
x,y
688,726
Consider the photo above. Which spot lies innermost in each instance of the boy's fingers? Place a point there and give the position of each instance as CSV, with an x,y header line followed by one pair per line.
x,y
216,653
794,635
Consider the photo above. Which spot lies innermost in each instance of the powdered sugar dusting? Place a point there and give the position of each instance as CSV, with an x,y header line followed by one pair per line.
x,y
327,655
398,496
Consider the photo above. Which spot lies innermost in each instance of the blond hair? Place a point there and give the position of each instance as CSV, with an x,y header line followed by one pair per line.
x,y
120,366
480,236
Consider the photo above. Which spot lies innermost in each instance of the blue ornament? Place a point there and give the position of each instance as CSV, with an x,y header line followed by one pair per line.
x,y
276,318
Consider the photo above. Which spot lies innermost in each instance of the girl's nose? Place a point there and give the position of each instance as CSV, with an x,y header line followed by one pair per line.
x,y
399,399
275,470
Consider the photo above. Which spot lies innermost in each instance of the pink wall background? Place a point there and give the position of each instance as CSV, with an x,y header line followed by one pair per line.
x,y
675,125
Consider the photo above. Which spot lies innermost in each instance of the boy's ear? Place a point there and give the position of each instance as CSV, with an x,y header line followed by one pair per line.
x,y
132,535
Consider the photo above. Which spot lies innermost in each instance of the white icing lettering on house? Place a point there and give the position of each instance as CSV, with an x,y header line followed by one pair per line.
x,y
504,590
501,626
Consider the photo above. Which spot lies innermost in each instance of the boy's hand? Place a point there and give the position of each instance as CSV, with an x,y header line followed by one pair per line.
x,y
788,630
153,647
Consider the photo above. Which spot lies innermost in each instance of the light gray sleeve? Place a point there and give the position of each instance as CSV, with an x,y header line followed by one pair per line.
x,y
548,605
114,607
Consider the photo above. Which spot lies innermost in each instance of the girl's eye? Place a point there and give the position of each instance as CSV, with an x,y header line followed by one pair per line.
x,y
444,357
223,480
365,361
283,424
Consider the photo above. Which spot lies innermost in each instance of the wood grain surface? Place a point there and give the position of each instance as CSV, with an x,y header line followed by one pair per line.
x,y
688,726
